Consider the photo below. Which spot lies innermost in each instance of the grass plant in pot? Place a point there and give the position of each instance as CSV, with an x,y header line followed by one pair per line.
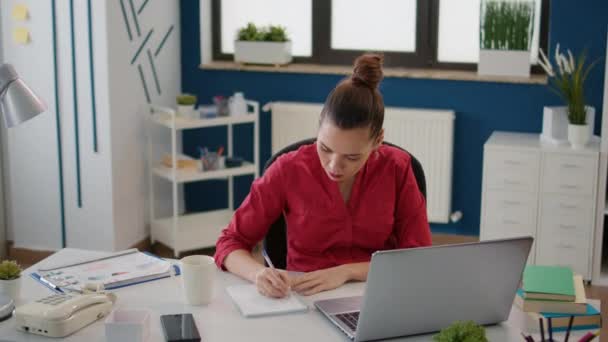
x,y
185,105
505,37
265,45
10,279
567,80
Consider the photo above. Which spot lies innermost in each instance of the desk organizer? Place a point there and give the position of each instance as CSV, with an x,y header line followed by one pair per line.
x,y
128,325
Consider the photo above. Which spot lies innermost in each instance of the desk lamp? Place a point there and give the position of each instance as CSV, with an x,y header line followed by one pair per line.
x,y
18,103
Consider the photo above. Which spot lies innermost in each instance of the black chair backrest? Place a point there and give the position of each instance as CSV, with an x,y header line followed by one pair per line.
x,y
275,241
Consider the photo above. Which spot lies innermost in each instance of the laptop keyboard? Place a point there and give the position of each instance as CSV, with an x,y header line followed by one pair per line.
x,y
349,318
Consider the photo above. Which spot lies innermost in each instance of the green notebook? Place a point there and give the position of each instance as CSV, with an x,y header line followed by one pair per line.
x,y
548,283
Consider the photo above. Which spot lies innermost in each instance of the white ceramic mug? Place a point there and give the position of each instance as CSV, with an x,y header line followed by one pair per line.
x,y
198,274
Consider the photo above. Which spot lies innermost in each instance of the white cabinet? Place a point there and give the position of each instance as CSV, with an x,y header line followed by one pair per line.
x,y
184,232
544,191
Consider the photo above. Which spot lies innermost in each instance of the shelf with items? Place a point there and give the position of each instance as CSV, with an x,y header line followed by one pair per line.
x,y
194,175
166,119
194,230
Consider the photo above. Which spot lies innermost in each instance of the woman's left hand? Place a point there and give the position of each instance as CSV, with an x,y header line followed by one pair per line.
x,y
321,280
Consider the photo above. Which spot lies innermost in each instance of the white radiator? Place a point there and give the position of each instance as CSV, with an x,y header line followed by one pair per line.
x,y
427,134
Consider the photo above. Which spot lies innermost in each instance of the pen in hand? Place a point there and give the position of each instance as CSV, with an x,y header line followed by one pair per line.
x,y
271,265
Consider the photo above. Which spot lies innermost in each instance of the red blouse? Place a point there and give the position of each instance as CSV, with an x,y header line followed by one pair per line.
x,y
385,211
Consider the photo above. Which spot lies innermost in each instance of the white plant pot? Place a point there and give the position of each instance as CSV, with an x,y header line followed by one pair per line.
x,y
504,63
11,288
578,135
275,53
185,111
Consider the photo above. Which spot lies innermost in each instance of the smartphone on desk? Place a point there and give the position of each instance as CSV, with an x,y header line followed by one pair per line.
x,y
180,328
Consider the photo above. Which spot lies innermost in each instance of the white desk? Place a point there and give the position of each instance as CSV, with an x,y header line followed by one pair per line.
x,y
218,321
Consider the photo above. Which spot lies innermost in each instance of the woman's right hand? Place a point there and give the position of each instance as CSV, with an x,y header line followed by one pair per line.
x,y
272,283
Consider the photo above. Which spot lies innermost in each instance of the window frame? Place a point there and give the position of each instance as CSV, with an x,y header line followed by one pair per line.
x,y
427,39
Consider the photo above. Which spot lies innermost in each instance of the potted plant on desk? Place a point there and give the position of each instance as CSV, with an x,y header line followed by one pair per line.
x,y
269,45
505,36
567,80
10,277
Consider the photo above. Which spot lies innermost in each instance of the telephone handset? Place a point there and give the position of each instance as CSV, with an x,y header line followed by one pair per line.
x,y
61,315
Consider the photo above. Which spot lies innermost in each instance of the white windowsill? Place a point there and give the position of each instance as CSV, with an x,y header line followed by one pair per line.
x,y
437,74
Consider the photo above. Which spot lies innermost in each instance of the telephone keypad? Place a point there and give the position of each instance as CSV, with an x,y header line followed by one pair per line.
x,y
54,299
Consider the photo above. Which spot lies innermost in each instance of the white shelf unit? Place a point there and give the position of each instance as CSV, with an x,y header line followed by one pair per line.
x,y
195,230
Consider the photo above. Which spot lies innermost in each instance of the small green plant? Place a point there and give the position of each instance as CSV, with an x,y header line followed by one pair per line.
x,y
262,34
506,25
186,99
568,81
459,331
9,270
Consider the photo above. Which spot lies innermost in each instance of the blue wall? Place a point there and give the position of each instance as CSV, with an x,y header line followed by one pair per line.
x,y
481,107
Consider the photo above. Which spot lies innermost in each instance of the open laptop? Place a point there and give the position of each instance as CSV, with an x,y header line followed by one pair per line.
x,y
422,290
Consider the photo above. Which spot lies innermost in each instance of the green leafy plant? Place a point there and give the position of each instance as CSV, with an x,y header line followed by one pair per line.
x,y
568,81
262,34
186,99
506,25
9,270
459,331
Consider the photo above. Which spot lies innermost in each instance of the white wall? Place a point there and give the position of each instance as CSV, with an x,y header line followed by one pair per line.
x,y
127,102
33,207
2,163
93,217
113,180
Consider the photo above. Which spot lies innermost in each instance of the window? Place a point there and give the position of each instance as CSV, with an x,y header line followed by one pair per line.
x,y
459,31
295,15
410,33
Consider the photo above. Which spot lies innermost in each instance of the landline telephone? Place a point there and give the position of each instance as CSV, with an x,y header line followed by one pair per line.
x,y
61,315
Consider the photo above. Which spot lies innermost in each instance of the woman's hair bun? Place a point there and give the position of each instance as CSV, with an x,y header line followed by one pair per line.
x,y
368,70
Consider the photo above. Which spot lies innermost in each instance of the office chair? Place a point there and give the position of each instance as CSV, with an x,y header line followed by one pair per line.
x,y
275,241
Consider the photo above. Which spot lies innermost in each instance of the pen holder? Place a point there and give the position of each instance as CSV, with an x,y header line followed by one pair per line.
x,y
212,161
128,325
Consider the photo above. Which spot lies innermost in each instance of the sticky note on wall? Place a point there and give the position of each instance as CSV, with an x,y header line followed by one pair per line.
x,y
21,35
20,12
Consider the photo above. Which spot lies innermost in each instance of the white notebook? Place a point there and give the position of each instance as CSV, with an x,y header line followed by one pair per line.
x,y
252,304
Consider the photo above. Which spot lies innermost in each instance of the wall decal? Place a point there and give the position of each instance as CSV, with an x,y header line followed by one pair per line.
x,y
20,12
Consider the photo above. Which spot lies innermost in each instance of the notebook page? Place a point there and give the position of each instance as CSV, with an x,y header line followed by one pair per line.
x,y
251,303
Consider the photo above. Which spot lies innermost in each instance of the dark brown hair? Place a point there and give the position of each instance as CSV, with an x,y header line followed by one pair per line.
x,y
356,101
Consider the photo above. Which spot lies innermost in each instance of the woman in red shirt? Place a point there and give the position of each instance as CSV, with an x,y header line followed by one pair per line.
x,y
343,197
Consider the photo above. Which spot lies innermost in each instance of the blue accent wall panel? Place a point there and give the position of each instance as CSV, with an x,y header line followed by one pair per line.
x,y
481,107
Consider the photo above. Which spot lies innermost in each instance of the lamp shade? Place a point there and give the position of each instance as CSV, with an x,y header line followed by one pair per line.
x,y
18,102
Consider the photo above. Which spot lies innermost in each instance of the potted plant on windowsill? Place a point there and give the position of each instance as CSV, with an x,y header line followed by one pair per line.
x,y
267,45
505,36
10,277
568,80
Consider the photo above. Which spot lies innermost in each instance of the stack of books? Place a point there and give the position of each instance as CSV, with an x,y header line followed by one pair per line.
x,y
551,292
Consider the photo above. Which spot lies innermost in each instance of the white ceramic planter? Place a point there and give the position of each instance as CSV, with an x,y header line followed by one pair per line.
x,y
275,53
11,288
578,135
504,63
185,111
